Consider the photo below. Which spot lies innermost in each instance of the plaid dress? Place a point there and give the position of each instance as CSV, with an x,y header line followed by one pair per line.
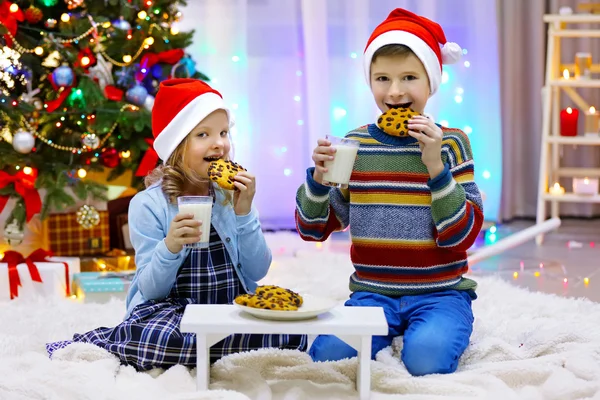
x,y
151,338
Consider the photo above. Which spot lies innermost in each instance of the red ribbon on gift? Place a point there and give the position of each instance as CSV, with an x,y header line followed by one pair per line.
x,y
25,186
150,59
54,104
148,161
14,258
9,19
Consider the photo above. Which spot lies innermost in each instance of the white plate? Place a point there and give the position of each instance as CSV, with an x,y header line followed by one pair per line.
x,y
312,306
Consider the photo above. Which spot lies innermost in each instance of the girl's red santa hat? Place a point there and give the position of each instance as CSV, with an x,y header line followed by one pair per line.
x,y
421,35
179,106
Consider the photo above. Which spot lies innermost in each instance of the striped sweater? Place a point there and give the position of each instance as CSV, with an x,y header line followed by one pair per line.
x,y
410,233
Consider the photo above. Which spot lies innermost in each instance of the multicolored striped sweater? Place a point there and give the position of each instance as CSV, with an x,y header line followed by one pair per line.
x,y
410,233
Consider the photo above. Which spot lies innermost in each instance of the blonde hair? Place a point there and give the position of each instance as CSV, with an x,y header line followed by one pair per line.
x,y
176,172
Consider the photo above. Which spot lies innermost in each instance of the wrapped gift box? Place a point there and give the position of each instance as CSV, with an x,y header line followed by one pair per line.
x,y
66,237
53,274
100,287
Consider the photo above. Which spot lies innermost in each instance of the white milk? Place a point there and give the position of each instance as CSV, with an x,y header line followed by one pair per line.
x,y
202,212
340,168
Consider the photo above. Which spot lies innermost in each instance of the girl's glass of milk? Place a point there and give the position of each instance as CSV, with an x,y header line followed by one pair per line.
x,y
201,208
340,168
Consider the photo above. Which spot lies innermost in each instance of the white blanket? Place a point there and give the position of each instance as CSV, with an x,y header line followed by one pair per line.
x,y
524,346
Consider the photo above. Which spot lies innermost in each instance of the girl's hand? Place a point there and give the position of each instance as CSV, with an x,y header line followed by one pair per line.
x,y
183,230
245,183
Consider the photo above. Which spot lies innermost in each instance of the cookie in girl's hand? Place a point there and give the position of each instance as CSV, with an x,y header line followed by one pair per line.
x,y
395,121
223,171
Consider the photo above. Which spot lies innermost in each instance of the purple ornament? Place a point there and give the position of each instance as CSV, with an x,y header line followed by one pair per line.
x,y
63,76
137,95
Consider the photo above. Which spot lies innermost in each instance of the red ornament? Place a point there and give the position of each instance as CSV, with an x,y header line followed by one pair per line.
x,y
110,158
33,15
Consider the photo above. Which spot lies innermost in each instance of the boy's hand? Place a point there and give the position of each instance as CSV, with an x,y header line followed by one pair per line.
x,y
429,136
183,230
323,152
245,183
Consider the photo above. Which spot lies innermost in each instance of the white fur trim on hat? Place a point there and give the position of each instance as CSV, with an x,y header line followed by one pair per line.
x,y
451,53
186,120
417,45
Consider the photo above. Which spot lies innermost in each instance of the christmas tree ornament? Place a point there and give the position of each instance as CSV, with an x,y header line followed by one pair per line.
x,y
33,15
137,95
91,141
121,24
149,103
52,61
50,23
73,4
23,141
63,76
110,158
102,71
88,216
13,234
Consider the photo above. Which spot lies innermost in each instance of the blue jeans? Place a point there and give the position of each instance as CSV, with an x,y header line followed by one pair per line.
x,y
436,329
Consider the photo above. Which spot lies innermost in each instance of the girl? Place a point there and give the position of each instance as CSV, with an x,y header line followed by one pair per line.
x,y
191,128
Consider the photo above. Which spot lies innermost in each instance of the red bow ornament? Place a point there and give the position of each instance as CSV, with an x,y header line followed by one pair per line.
x,y
25,186
149,160
150,59
9,19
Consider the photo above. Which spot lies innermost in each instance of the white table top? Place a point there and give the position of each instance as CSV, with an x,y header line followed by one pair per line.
x,y
225,318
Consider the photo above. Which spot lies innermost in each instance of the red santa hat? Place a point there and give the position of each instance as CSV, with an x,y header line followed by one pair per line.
x,y
179,106
421,35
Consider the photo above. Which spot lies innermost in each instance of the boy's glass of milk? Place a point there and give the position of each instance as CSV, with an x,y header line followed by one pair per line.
x,y
340,168
201,208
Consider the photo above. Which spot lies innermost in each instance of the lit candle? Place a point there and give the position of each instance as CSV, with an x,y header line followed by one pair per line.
x,y
556,189
568,121
587,186
592,122
566,74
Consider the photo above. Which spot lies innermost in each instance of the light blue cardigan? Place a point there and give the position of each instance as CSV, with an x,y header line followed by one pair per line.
x,y
150,215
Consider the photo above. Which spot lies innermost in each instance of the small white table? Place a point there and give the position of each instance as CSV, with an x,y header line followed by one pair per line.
x,y
354,325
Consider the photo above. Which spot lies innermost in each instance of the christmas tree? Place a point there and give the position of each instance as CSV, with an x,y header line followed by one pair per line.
x,y
77,84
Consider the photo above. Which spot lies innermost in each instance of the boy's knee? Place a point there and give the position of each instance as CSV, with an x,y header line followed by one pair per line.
x,y
429,354
330,348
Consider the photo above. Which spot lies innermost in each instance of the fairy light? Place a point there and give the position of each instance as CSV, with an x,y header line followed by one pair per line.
x,y
65,17
27,170
85,61
142,14
13,8
537,274
126,154
586,281
127,58
515,275
38,50
82,173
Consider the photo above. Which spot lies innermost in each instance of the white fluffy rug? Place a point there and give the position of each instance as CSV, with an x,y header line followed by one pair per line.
x,y
524,346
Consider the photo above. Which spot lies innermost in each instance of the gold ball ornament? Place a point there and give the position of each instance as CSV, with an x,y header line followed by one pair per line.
x,y
88,216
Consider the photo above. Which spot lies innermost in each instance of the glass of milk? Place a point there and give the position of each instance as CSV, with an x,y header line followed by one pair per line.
x,y
201,208
340,168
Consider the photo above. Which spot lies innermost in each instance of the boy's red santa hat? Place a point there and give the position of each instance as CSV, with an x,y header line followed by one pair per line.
x,y
179,106
421,35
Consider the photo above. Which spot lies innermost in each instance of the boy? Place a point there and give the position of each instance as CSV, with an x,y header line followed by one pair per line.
x,y
412,206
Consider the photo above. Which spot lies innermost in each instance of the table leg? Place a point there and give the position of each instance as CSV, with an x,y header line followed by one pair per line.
x,y
363,375
202,363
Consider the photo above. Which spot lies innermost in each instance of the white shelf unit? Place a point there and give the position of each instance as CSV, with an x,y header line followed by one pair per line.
x,y
563,26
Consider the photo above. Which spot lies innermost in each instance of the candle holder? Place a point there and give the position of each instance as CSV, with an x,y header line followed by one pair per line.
x,y
583,66
592,122
568,121
585,186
